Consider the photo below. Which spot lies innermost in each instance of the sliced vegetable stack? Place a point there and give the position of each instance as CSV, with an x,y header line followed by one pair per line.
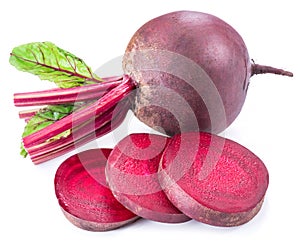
x,y
197,176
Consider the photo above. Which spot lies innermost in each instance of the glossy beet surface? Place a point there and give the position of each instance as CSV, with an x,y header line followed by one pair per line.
x,y
192,71
83,194
132,176
220,183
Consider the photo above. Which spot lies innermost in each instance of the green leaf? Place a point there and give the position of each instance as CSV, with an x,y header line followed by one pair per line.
x,y
52,63
45,117
23,152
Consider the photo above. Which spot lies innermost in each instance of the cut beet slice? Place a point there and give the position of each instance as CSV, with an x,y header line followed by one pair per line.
x,y
83,194
212,179
131,173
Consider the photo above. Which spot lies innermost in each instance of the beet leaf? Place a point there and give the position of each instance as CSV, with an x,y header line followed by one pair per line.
x,y
52,63
45,117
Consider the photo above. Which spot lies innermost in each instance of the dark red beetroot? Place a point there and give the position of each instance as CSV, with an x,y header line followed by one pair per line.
x,y
192,70
131,173
221,183
83,195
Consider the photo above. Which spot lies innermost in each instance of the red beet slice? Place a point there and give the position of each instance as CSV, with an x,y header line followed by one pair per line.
x,y
131,173
83,194
212,179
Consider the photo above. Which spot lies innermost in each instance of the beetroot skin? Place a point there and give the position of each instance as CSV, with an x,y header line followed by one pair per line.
x,y
199,65
131,173
83,195
221,183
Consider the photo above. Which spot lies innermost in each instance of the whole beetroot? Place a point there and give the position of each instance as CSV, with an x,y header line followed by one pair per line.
x,y
192,70
184,71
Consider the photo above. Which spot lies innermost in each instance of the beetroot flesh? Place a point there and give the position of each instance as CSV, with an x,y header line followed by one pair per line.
x,y
222,183
83,195
193,56
131,173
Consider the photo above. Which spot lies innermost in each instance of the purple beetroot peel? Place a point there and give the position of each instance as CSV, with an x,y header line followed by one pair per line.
x,y
219,187
84,196
131,173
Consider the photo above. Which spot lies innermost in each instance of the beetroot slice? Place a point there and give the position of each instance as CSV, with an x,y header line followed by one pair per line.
x,y
221,183
131,173
83,194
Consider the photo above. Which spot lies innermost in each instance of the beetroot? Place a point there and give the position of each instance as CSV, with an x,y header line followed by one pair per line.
x,y
199,65
132,176
184,71
212,179
83,195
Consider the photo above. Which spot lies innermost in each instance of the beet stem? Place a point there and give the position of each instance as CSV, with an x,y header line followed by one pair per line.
x,y
78,117
66,95
27,114
77,132
102,125
261,69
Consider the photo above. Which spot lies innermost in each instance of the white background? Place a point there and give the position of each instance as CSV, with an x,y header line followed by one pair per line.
x,y
98,31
